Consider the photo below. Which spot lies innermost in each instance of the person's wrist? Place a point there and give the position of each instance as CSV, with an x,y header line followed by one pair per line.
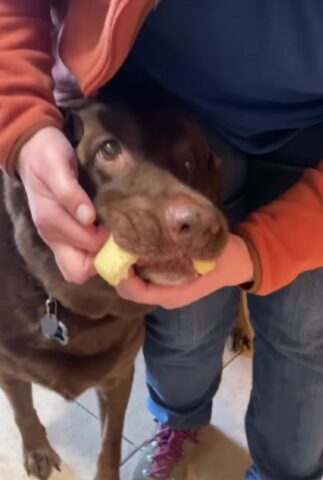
x,y
252,260
247,268
22,158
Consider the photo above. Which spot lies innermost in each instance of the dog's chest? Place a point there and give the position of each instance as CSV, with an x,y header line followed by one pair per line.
x,y
97,352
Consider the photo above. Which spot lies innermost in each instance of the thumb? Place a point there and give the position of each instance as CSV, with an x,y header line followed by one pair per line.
x,y
66,189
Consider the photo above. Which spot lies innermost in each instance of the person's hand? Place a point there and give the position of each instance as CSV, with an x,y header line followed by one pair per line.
x,y
233,267
61,210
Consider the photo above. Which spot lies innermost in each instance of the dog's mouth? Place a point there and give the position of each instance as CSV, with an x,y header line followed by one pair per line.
x,y
166,256
174,265
168,270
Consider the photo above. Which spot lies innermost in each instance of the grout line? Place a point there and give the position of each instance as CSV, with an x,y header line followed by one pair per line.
x,y
130,442
232,360
86,410
129,457
96,417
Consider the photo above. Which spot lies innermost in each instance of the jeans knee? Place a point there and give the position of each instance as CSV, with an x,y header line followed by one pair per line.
x,y
207,322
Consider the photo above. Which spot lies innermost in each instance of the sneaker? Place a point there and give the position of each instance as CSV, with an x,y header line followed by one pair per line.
x,y
165,455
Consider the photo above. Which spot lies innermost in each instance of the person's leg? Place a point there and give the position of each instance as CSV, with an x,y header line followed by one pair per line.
x,y
284,421
183,353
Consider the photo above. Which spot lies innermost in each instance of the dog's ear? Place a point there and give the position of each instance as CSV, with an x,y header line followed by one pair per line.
x,y
73,126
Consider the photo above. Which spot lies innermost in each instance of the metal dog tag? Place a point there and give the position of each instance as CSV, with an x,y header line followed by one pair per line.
x,y
49,325
52,328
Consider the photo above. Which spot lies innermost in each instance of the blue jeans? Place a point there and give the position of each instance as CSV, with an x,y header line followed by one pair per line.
x,y
184,347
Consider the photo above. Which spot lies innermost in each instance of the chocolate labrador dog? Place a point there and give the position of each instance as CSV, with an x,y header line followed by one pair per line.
x,y
155,184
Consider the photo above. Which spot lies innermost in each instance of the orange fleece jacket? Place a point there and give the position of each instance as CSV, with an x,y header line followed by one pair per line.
x,y
284,238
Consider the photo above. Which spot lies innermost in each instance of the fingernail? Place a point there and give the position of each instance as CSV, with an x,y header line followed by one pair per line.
x,y
83,214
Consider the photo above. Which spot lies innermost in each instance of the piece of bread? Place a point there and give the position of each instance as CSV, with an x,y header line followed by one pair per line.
x,y
113,262
204,266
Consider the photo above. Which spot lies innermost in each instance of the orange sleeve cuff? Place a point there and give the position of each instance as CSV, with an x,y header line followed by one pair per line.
x,y
10,166
254,286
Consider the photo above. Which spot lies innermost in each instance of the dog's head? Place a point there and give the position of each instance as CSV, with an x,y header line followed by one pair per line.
x,y
155,183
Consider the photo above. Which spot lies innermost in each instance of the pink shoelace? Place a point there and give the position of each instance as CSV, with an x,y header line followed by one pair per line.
x,y
169,450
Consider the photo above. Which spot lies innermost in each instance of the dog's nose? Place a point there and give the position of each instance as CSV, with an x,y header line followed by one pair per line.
x,y
190,224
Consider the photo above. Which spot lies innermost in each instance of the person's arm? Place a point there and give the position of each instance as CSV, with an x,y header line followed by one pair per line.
x,y
33,145
285,238
26,85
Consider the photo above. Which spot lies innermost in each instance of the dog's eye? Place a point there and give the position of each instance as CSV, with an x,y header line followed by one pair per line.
x,y
110,149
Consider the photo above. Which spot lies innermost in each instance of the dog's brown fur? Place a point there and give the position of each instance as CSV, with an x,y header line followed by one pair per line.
x,y
163,160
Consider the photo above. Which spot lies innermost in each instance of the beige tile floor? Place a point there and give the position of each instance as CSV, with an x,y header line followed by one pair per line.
x,y
74,431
